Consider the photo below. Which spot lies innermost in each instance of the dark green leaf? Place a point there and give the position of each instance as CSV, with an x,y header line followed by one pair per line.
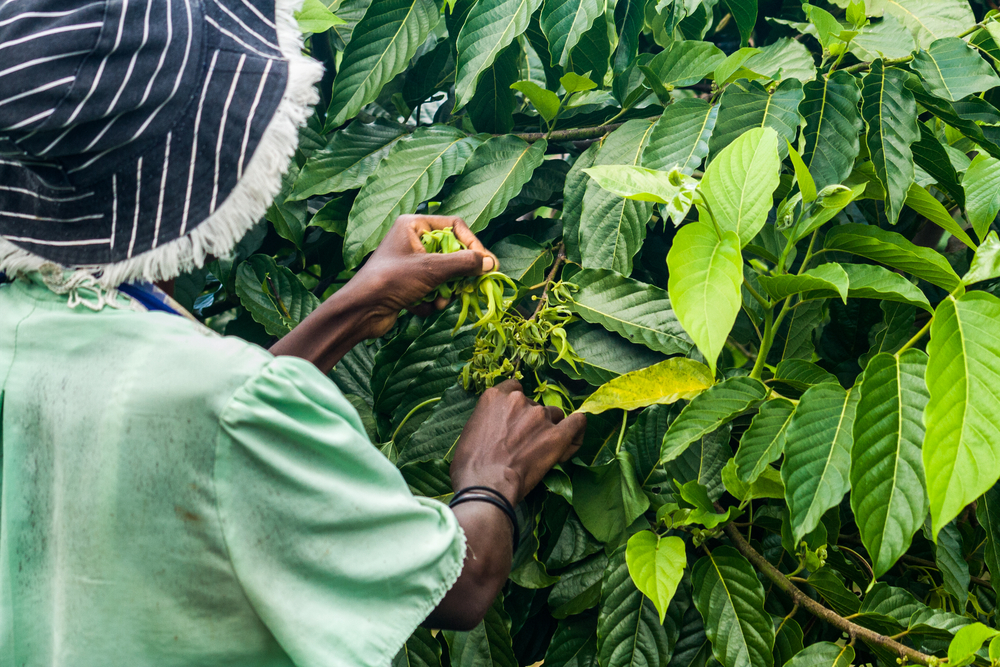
x,y
420,650
680,137
273,295
608,499
605,354
488,644
951,69
764,442
747,104
491,108
833,122
629,631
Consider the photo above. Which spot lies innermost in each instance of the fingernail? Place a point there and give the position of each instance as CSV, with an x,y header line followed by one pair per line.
x,y
488,264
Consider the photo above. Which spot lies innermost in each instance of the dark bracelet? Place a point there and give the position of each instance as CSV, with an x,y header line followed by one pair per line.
x,y
497,499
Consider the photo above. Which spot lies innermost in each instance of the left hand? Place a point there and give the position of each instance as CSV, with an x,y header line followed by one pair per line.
x,y
400,272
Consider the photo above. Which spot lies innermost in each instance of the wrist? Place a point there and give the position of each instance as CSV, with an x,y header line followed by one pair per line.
x,y
502,480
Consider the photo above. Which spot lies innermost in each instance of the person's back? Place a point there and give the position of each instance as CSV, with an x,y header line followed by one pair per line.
x,y
130,521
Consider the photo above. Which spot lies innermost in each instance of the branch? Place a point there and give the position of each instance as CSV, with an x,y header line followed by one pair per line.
x,y
560,258
818,610
569,135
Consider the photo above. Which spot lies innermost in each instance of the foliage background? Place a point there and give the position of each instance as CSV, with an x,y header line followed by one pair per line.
x,y
824,493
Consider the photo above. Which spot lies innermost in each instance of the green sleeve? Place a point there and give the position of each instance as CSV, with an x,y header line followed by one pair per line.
x,y
335,554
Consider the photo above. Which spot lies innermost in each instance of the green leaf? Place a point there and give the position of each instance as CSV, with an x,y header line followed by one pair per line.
x,y
488,644
592,54
491,108
767,485
747,105
693,648
639,312
967,642
641,183
667,382
564,22
823,654
824,281
490,27
730,599
764,442
833,122
988,514
351,12
420,650
787,640
706,274
574,644
579,587
273,295
381,47
890,115
932,157
733,68
494,175
982,192
656,565
818,455
545,101
986,261
883,38
887,473
710,410
316,17
962,445
946,111
348,159
522,258
685,63
832,588
740,181
414,169
784,58
876,282
608,498
745,14
807,186
924,203
801,374
950,561
680,137
951,69
573,192
612,228
629,631
929,20
827,27
575,83
893,250
893,332
605,355
437,435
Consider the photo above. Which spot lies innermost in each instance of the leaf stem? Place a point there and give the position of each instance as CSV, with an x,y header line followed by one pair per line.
x,y
409,414
755,294
549,279
818,610
916,338
765,345
886,61
621,434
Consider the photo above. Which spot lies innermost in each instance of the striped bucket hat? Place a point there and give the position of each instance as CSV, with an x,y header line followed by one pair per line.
x,y
137,137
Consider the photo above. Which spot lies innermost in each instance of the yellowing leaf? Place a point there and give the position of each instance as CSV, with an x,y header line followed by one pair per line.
x,y
669,381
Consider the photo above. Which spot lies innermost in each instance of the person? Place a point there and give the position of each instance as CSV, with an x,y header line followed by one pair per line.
x,y
173,497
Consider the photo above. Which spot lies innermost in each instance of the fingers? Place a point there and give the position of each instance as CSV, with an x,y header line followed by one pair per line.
x,y
508,387
461,263
573,428
423,223
555,414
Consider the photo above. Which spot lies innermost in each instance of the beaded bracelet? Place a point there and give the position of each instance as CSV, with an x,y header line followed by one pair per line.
x,y
469,494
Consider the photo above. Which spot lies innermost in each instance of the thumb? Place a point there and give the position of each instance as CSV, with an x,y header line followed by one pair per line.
x,y
461,263
572,428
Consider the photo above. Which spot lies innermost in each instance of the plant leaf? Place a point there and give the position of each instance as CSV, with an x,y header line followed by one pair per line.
x,y
491,108
574,643
667,382
347,159
545,101
787,640
680,137
824,281
767,485
490,27
876,282
887,472
656,565
986,261
488,644
494,175
747,104
564,22
573,193
818,455
988,514
931,156
641,313
611,227
962,445
764,442
927,205
740,181
708,411
607,498
579,587
893,250
685,63
890,115
420,650
730,599
522,258
437,435
629,632
414,170
273,295
606,355
982,192
381,46
784,58
823,654
833,122
948,556
951,69
706,274
929,20
745,14
967,642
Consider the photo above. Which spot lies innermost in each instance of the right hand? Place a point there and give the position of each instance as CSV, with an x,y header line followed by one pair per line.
x,y
511,442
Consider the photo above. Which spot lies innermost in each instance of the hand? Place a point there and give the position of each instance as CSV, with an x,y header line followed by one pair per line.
x,y
511,442
400,272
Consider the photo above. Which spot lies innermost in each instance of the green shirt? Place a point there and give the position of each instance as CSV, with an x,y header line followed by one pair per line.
x,y
173,497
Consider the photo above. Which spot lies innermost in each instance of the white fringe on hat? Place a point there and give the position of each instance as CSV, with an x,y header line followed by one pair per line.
x,y
218,234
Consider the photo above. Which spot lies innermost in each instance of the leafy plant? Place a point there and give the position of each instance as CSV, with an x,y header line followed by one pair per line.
x,y
755,241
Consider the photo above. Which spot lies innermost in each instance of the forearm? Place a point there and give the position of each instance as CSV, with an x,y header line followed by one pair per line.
x,y
329,333
487,566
